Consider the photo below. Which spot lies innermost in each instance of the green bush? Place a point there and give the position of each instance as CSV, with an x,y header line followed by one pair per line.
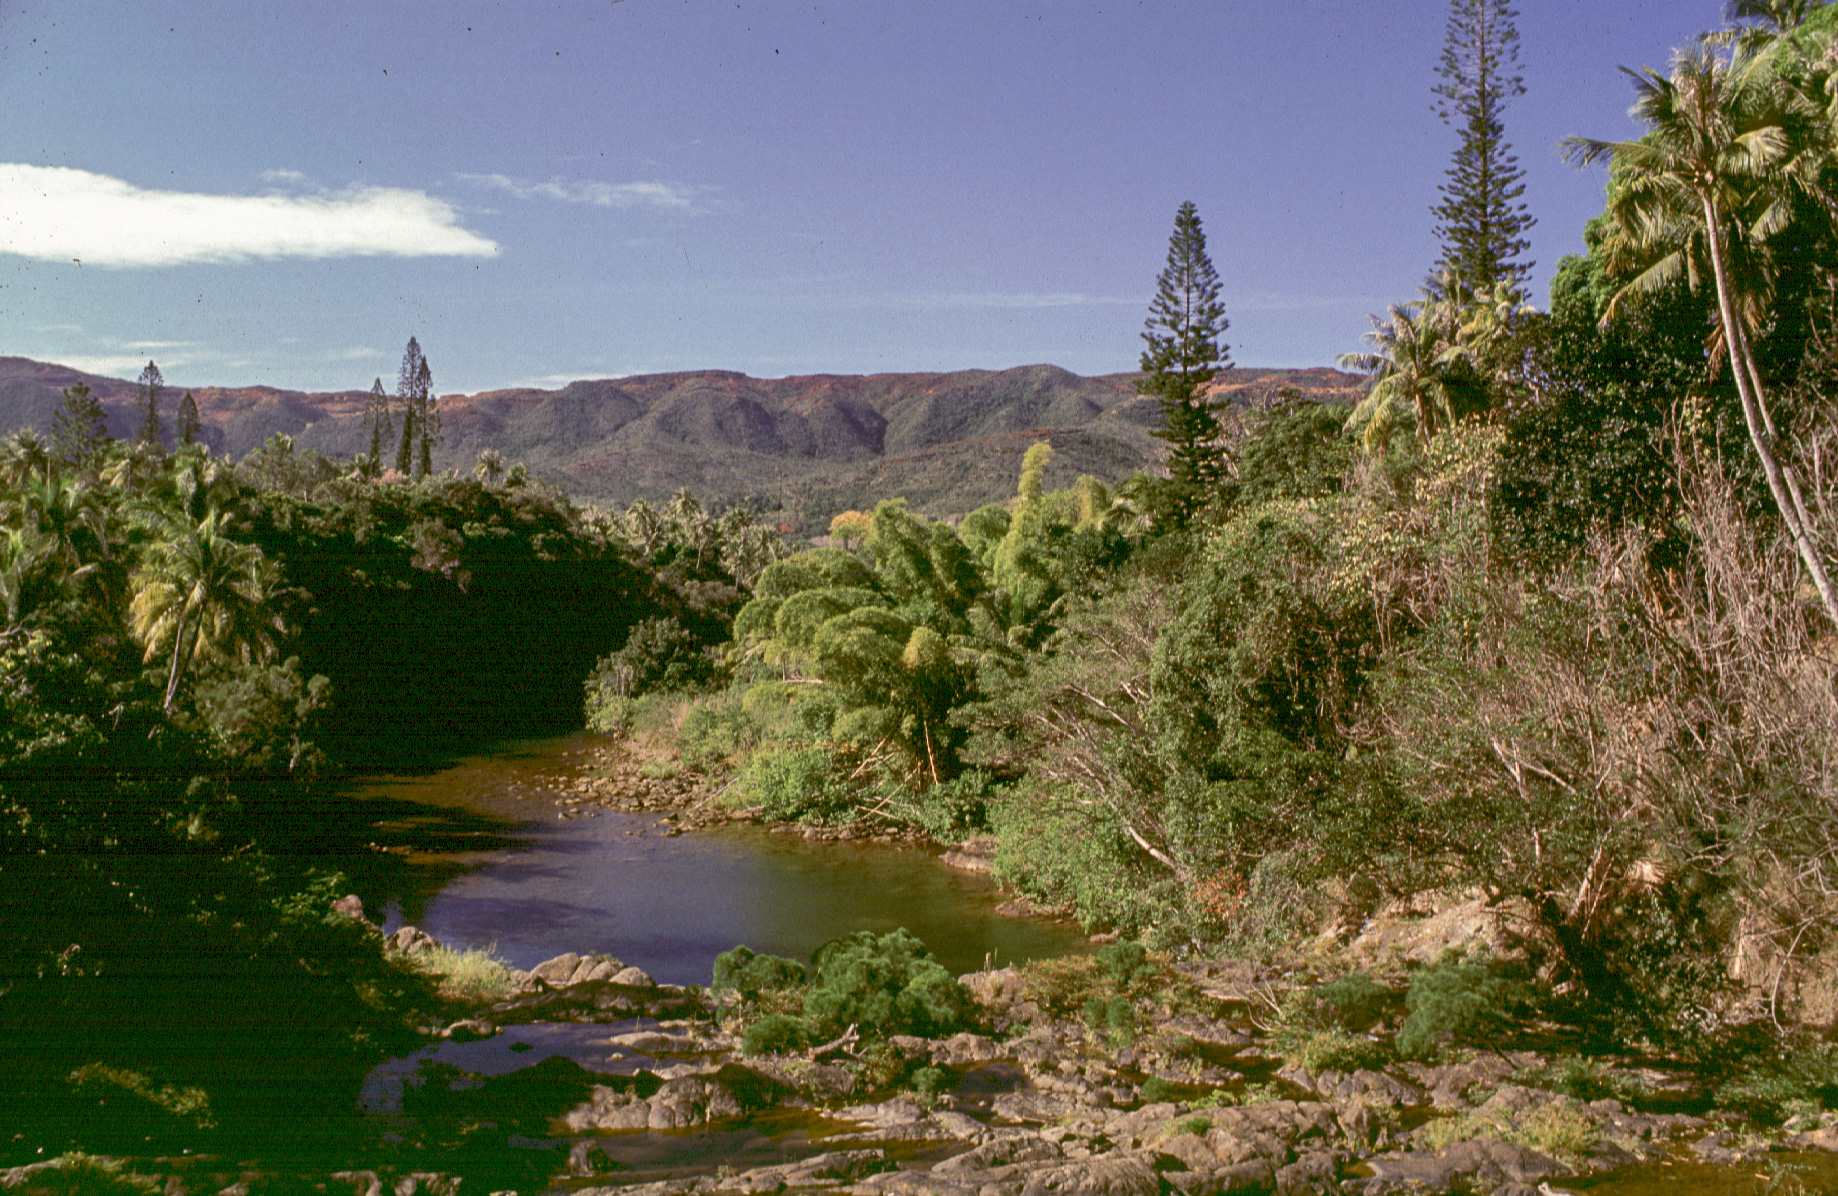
x,y
928,1082
714,733
800,784
884,984
1155,1090
775,1034
1798,1076
1333,1049
750,976
1116,1017
1459,998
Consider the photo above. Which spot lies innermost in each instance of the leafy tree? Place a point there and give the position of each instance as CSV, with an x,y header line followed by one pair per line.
x,y
79,431
188,425
149,389
1183,354
1714,175
1481,228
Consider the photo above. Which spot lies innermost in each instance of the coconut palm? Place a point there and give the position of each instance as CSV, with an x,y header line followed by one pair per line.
x,y
197,590
1713,179
490,466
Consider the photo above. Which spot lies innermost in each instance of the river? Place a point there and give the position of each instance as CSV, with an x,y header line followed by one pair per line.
x,y
492,863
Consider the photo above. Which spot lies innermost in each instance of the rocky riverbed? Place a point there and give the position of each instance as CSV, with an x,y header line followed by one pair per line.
x,y
587,1076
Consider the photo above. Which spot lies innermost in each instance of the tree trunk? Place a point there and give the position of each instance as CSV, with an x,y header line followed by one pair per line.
x,y
1761,431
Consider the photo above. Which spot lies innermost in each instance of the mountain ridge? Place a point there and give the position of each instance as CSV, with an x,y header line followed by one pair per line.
x,y
806,444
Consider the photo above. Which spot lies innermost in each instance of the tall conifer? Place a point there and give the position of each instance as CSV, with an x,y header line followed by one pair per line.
x,y
376,418
408,380
1183,354
188,423
151,387
1480,222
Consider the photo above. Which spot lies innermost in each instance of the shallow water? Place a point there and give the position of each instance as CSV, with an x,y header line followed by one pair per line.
x,y
491,864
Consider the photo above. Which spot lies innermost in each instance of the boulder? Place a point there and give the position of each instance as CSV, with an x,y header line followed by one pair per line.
x,y
1479,1162
411,941
557,971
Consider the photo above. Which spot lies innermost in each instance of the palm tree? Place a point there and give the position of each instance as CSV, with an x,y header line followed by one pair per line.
x,y
1409,369
490,466
199,590
1716,173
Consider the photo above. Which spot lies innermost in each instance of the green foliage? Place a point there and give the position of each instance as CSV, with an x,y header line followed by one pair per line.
x,y
1798,1074
80,1174
1333,1049
1481,227
475,976
1182,334
1157,1089
1462,999
800,784
658,654
1317,1027
775,1034
1116,1018
750,976
884,984
1297,450
1582,1079
928,1083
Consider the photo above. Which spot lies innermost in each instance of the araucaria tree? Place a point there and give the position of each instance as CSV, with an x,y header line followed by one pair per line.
x,y
1480,222
376,418
150,389
189,425
79,431
414,382
1184,353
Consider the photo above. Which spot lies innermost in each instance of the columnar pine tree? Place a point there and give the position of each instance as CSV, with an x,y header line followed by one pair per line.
x,y
376,418
408,379
1184,353
1479,221
151,387
188,423
427,420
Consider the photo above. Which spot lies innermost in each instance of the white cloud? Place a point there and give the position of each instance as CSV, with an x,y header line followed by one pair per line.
x,y
605,195
111,365
58,214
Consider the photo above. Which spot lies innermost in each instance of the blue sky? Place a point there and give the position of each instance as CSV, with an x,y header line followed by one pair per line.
x,y
282,192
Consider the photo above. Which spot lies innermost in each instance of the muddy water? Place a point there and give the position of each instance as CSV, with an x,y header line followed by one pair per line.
x,y
491,863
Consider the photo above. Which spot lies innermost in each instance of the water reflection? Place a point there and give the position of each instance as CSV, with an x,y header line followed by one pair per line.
x,y
518,878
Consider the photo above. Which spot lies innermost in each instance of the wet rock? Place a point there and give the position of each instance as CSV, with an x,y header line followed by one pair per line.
x,y
471,1029
655,1043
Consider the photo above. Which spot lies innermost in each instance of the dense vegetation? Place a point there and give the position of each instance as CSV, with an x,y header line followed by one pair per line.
x,y
190,650
1537,619
1544,617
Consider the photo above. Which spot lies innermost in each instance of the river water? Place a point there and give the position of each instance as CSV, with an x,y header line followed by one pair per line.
x,y
491,864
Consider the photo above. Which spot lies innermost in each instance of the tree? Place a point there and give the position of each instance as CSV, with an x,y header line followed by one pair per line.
x,y
150,389
376,418
410,383
205,592
1713,175
79,430
1184,353
427,420
1481,227
189,425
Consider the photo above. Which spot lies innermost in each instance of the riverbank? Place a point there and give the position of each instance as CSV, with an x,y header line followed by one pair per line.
x,y
1192,1078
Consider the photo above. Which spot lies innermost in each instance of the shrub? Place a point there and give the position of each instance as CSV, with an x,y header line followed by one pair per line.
x,y
1458,998
800,784
1333,1049
884,984
928,1082
751,976
775,1034
1583,1079
715,732
1155,1090
1799,1076
1117,1016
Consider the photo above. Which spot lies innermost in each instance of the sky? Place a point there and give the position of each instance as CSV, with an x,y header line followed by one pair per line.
x,y
282,192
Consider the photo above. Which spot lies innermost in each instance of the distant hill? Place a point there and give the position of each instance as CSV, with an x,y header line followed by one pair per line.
x,y
810,446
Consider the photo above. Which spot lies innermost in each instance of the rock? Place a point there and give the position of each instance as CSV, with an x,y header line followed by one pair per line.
x,y
609,1109
471,1029
655,1043
1823,1138
1000,1153
557,971
590,1158
411,941
351,906
1108,1176
1482,1162
965,1048
632,978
